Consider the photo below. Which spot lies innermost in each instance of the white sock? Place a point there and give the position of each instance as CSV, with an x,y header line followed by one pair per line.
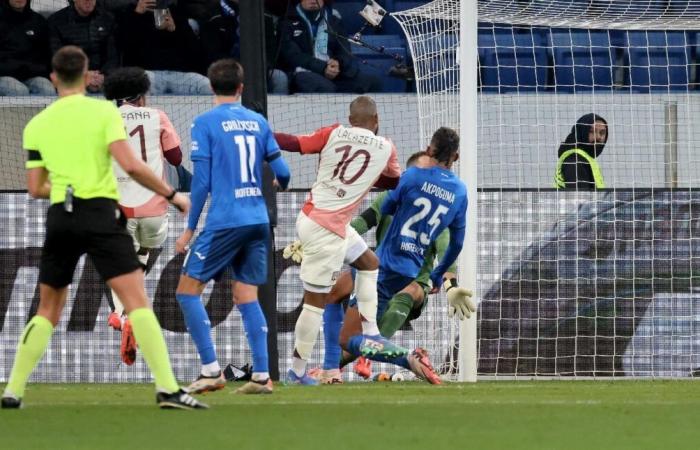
x,y
211,369
260,376
305,335
118,307
366,293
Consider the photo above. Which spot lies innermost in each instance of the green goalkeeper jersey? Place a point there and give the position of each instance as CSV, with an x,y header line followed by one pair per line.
x,y
374,214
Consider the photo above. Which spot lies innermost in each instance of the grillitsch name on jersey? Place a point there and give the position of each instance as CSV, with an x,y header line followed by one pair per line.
x,y
437,191
241,125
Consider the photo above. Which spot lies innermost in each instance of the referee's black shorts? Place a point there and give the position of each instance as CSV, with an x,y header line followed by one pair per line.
x,y
96,227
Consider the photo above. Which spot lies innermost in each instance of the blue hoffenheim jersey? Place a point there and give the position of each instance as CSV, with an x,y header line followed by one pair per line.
x,y
236,140
423,204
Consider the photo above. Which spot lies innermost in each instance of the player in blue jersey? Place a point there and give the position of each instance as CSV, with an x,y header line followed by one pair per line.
x,y
229,145
426,201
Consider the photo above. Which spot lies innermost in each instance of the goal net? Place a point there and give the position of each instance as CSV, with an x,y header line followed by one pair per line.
x,y
576,282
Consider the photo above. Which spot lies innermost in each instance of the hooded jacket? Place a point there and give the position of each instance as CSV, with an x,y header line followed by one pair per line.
x,y
95,34
576,171
297,47
24,43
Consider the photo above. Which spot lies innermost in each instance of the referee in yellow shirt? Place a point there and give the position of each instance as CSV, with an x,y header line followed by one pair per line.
x,y
69,147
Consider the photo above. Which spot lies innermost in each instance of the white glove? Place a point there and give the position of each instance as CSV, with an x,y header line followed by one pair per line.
x,y
294,251
460,301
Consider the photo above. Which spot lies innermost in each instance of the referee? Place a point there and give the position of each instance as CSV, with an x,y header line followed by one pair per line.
x,y
68,146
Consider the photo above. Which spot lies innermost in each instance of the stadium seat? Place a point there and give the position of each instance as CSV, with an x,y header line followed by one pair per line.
x,y
380,64
352,20
658,60
390,25
512,60
583,60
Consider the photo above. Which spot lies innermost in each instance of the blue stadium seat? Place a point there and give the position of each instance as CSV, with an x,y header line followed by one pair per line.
x,y
389,24
658,60
352,21
379,64
583,60
512,60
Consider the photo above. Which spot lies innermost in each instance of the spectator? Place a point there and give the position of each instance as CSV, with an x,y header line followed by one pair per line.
x,y
316,54
91,27
221,39
172,55
24,50
577,167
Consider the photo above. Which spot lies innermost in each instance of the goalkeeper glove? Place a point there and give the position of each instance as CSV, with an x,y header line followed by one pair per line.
x,y
294,251
459,299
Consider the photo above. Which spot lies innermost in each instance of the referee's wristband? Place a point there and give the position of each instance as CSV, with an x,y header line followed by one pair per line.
x,y
171,196
450,283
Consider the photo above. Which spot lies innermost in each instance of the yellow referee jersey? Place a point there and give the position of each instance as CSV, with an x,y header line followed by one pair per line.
x,y
70,138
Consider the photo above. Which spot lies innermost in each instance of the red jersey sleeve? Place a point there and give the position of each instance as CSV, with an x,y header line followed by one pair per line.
x,y
314,142
392,169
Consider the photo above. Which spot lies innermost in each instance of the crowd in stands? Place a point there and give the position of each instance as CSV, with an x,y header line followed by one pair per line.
x,y
306,51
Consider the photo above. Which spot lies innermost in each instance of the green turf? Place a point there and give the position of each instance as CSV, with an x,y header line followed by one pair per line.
x,y
378,416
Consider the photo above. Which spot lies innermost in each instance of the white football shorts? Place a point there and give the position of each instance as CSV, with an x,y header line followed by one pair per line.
x,y
325,253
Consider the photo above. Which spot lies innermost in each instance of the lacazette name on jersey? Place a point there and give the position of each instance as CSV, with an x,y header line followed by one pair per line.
x,y
351,135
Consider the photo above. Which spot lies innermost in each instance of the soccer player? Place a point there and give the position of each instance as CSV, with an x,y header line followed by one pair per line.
x,y
427,201
405,305
229,145
153,139
70,146
352,160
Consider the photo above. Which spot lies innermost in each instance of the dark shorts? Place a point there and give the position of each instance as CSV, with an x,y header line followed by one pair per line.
x,y
389,284
96,227
243,249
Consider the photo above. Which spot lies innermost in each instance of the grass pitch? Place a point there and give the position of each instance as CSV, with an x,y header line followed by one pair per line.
x,y
377,416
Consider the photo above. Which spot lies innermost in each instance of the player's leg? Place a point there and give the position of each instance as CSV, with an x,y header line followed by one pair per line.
x,y
59,256
189,297
207,258
33,342
332,323
400,308
323,260
250,271
359,256
117,316
149,335
111,249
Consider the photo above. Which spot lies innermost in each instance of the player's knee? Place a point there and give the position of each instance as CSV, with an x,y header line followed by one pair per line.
x,y
189,286
417,293
244,293
367,261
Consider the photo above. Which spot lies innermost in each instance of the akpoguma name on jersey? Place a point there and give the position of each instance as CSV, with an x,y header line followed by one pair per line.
x,y
241,125
412,248
437,191
248,192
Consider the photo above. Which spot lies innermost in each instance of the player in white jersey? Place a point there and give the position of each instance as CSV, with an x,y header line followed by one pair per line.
x,y
351,161
154,139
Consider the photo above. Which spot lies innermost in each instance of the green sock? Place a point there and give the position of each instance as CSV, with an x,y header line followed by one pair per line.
x,y
30,349
396,314
149,337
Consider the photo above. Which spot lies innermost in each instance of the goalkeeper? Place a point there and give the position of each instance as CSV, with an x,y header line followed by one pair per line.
x,y
405,305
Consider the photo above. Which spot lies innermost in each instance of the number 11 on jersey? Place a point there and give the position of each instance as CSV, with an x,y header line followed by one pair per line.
x,y
246,153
